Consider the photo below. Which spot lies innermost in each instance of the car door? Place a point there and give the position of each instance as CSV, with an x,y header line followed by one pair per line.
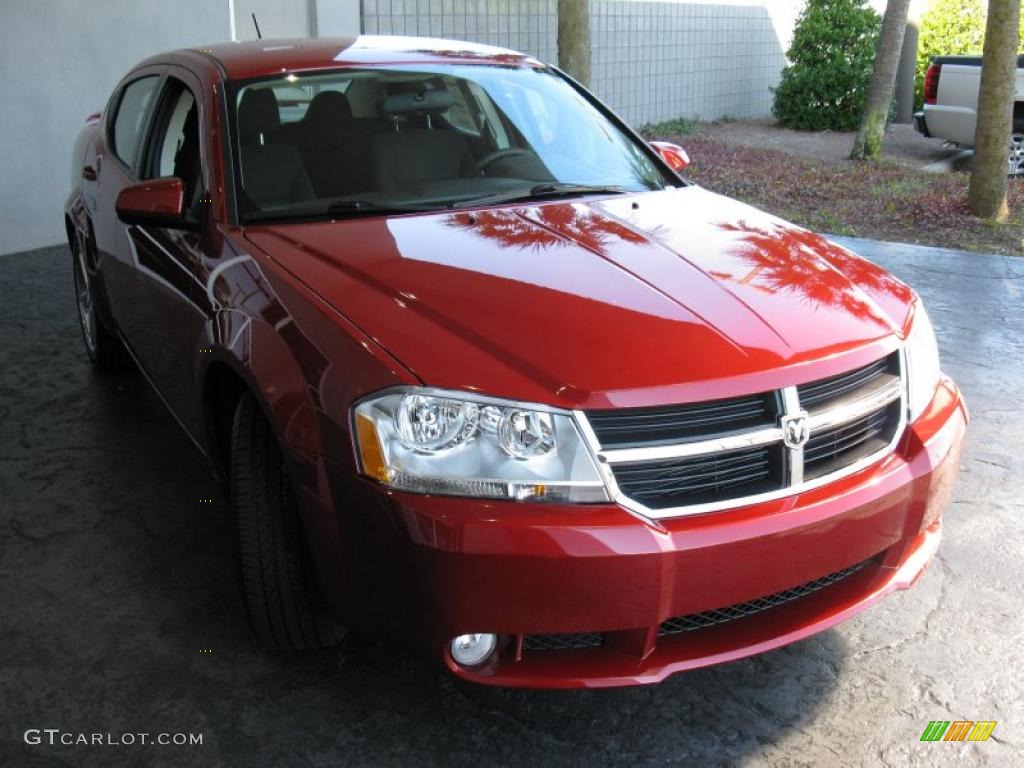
x,y
163,325
112,169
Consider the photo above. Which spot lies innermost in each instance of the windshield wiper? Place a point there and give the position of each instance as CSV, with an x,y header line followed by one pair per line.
x,y
339,208
541,192
365,206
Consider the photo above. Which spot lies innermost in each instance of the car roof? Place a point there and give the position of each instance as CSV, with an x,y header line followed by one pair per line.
x,y
259,58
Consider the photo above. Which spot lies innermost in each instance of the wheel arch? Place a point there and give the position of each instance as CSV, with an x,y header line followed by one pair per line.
x,y
69,229
222,388
278,386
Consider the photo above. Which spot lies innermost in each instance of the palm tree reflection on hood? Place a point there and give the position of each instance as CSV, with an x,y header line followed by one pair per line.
x,y
786,258
547,226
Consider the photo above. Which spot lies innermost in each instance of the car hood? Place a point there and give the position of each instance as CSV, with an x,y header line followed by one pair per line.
x,y
629,300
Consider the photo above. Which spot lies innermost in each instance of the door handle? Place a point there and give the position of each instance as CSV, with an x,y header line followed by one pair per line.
x,y
89,173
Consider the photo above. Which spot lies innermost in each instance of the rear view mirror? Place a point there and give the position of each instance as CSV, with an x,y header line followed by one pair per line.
x,y
160,202
672,154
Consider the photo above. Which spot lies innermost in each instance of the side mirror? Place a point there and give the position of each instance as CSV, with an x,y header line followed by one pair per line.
x,y
159,202
672,154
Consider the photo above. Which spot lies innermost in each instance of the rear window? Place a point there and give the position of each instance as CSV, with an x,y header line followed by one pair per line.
x,y
293,98
131,113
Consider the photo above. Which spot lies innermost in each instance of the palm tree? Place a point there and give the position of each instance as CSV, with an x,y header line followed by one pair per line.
x,y
987,190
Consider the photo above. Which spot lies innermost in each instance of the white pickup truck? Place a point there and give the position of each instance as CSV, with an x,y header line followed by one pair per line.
x,y
950,112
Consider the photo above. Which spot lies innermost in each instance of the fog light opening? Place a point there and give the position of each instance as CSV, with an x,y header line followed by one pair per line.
x,y
470,650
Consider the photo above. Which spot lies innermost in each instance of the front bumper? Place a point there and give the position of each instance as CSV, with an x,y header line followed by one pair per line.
x,y
425,569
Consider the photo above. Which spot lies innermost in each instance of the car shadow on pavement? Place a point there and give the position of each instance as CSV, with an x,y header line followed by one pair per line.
x,y
123,613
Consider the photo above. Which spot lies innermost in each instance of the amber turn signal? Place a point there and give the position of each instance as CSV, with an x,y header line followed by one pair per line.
x,y
370,450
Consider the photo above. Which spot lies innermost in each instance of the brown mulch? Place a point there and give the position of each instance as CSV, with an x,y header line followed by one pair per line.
x,y
883,201
903,144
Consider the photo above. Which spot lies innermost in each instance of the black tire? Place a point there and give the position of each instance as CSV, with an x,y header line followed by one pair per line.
x,y
105,350
283,604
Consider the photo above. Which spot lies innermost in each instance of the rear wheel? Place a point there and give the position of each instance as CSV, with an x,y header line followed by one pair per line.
x,y
106,352
283,604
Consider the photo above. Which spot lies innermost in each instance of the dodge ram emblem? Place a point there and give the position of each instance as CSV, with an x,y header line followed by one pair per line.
x,y
795,430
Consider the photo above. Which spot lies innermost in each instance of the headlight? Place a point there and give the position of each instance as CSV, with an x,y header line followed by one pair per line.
x,y
455,444
922,363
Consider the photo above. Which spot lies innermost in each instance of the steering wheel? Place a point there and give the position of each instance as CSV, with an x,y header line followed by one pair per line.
x,y
491,157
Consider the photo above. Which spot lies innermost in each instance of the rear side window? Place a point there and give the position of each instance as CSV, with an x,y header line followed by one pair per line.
x,y
131,112
293,99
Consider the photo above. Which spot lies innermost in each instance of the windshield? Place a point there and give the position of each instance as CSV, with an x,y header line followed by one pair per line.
x,y
417,138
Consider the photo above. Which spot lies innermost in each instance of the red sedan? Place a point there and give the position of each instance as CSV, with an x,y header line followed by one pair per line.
x,y
482,373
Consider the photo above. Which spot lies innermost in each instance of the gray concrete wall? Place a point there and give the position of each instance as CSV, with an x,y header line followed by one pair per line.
x,y
336,18
277,18
60,60
296,18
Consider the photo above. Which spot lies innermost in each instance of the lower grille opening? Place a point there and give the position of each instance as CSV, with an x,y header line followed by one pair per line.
x,y
697,621
706,619
567,641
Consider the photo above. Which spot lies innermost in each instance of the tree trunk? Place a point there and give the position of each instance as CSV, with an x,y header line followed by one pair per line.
x,y
868,145
574,39
987,190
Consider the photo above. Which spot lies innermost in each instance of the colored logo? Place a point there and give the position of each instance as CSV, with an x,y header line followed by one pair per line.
x,y
958,730
795,430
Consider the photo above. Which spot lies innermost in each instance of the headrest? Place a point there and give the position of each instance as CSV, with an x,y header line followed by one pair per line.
x,y
328,109
421,101
258,115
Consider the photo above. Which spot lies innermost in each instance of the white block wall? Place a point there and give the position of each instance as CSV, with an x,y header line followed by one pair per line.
x,y
530,26
650,59
655,61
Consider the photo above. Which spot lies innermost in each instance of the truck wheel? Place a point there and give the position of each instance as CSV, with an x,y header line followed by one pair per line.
x,y
282,601
105,350
1016,161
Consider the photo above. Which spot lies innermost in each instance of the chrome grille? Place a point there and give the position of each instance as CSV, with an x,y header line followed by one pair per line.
x,y
827,390
694,458
832,448
702,478
654,426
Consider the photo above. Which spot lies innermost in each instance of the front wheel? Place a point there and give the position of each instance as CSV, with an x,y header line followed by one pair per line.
x,y
283,604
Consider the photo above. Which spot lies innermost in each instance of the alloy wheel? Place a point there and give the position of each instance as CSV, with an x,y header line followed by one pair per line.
x,y
86,306
1015,165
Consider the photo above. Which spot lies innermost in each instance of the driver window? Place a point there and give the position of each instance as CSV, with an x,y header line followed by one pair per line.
x,y
488,117
176,141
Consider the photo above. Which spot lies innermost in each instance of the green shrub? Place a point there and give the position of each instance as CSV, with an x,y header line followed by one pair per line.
x,y
677,126
950,28
830,61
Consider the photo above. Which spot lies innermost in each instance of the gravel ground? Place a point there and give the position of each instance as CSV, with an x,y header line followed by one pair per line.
x,y
903,144
120,610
